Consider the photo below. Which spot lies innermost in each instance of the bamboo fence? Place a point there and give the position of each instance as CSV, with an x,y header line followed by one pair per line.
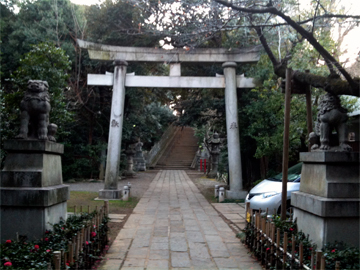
x,y
273,247
79,254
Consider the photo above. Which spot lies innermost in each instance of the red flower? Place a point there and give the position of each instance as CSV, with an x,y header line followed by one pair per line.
x,y
8,241
267,249
310,248
291,229
87,242
47,232
62,228
309,257
333,250
68,264
93,234
46,239
48,250
36,247
8,264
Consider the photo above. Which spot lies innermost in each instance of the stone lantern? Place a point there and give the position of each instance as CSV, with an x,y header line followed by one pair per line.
x,y
139,160
214,143
130,152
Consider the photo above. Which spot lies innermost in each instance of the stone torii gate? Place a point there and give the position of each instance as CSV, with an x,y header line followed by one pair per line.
x,y
119,80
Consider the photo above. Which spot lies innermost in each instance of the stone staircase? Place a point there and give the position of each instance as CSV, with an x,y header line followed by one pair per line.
x,y
181,152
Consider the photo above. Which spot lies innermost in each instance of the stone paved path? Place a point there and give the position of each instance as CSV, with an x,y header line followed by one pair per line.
x,y
174,227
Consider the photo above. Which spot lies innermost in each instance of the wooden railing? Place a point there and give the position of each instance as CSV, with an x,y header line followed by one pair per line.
x,y
278,249
81,252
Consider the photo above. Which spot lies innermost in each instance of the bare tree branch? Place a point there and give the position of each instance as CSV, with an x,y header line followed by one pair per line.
x,y
309,37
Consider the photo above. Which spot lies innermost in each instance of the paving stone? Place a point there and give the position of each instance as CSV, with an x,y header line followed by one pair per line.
x,y
159,245
254,265
134,262
180,259
219,253
177,235
192,228
138,253
194,236
178,244
160,240
162,254
177,228
213,238
199,251
203,264
111,265
224,263
157,265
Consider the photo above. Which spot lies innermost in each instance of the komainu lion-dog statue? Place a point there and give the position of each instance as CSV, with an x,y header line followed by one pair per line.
x,y
35,108
330,116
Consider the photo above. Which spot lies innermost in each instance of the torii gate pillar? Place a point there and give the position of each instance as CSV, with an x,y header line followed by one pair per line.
x,y
232,128
111,190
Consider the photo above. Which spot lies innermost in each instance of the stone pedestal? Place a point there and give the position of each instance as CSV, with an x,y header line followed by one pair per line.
x,y
327,205
32,190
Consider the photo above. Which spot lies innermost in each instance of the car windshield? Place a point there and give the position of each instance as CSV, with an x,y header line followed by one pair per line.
x,y
293,173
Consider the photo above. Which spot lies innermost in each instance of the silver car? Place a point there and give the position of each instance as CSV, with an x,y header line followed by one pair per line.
x,y
267,194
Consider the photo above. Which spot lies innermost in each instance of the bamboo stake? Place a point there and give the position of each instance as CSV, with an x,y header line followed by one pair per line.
x,y
337,265
277,248
301,254
62,257
272,243
285,249
318,259
322,263
82,238
293,242
77,245
71,252
57,260
312,263
65,259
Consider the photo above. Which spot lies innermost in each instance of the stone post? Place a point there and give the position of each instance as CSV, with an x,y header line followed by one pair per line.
x,y
111,190
232,128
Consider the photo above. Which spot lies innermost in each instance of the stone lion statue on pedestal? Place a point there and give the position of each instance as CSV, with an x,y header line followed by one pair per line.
x,y
35,108
330,116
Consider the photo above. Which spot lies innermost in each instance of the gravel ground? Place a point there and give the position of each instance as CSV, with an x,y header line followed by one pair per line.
x,y
139,184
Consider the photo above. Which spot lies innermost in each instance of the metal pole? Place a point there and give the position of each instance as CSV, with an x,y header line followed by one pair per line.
x,y
285,162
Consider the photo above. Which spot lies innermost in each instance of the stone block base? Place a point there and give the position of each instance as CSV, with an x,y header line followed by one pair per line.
x,y
236,195
110,194
323,230
30,221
